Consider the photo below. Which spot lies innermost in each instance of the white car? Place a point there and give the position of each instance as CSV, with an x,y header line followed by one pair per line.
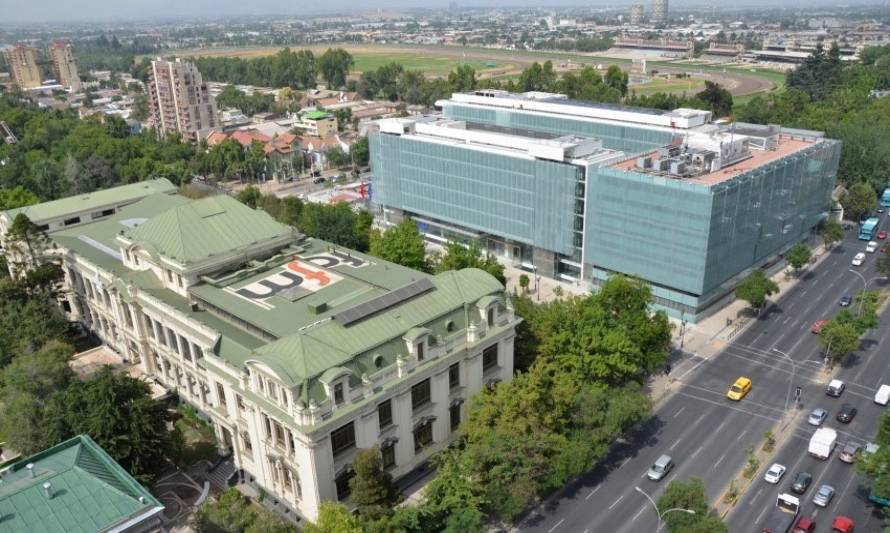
x,y
871,247
774,474
858,259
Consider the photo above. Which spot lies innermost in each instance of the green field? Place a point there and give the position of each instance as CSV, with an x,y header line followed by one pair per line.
x,y
689,86
429,65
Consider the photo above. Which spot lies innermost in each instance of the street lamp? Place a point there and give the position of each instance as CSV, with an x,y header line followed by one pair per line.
x,y
659,513
864,286
793,370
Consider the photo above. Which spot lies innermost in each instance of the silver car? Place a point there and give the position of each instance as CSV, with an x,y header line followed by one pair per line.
x,y
817,416
662,466
824,495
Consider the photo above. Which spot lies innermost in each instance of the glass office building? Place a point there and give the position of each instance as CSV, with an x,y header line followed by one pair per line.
x,y
579,191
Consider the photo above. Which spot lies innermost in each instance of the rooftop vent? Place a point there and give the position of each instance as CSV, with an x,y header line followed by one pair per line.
x,y
48,490
30,467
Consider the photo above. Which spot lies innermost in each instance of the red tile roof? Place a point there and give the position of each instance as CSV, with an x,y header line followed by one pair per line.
x,y
216,137
246,137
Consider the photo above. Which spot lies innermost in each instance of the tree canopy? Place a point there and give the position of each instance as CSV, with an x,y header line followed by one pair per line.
x,y
798,256
458,256
335,65
755,289
401,244
688,495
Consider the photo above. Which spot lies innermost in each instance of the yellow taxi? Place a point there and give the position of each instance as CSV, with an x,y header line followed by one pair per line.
x,y
739,389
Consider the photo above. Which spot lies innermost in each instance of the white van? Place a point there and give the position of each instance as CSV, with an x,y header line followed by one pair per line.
x,y
883,395
871,247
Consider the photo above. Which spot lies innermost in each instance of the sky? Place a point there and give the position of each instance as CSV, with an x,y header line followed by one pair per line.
x,y
13,11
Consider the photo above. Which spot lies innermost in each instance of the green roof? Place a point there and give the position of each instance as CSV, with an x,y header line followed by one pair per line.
x,y
203,228
316,115
89,491
93,200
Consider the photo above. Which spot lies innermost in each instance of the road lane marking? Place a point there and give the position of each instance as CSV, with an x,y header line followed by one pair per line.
x,y
722,457
760,516
721,426
696,452
680,411
592,492
699,419
643,508
624,463
675,443
740,436
755,496
556,526
721,404
616,502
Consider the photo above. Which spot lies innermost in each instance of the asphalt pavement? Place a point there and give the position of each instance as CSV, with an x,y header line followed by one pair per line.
x,y
707,435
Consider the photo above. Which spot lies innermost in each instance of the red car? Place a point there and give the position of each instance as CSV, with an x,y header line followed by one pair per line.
x,y
882,234
842,524
804,525
817,327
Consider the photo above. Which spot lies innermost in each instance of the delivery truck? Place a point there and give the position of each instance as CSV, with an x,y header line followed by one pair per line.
x,y
822,443
781,518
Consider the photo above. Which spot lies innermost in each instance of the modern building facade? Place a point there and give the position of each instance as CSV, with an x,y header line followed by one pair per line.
x,y
299,352
636,14
64,65
22,61
180,101
578,191
317,124
75,487
659,12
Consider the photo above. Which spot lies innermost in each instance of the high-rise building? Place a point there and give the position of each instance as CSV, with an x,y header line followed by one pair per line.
x,y
180,100
64,65
636,14
577,191
659,11
22,61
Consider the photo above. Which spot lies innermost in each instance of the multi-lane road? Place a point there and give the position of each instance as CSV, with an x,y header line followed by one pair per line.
x,y
707,435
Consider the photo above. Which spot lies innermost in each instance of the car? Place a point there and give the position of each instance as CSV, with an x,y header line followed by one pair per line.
x,y
339,178
858,259
817,416
880,209
804,524
660,468
849,453
774,474
846,414
317,180
739,388
823,495
842,524
818,325
871,247
835,388
846,301
882,235
801,482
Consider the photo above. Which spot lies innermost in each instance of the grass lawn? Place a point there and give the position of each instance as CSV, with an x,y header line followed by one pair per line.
x,y
430,65
689,86
198,440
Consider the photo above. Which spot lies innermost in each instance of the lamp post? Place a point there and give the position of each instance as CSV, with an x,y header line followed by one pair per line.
x,y
793,370
659,513
865,283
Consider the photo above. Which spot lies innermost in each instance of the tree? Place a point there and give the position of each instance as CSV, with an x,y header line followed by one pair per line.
x,y
462,79
250,196
755,289
832,232
140,108
688,495
616,78
839,338
344,117
459,256
334,65
336,157
859,199
718,99
361,152
334,518
524,282
230,512
401,244
337,224
798,256
17,197
371,487
117,411
27,242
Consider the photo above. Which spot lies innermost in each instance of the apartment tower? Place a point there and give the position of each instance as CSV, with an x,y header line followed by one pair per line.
x,y
180,100
659,11
22,61
636,14
64,65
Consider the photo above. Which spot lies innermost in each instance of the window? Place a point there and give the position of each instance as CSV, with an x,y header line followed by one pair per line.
x,y
221,392
179,280
420,351
279,434
388,451
342,484
384,414
342,439
454,413
271,389
338,394
491,317
420,394
490,357
71,221
246,439
268,425
199,353
423,436
169,276
454,376
239,401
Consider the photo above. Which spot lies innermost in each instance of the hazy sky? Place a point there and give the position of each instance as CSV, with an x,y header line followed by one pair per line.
x,y
81,10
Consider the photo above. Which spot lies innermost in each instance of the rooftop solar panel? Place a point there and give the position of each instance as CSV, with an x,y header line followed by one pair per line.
x,y
381,303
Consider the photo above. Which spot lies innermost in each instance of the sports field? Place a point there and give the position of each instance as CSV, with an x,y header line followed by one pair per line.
x,y
689,86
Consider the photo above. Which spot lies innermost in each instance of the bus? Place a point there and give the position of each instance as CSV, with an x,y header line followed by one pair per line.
x,y
868,229
885,198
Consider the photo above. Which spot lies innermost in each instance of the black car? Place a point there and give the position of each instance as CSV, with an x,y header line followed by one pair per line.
x,y
801,482
846,301
846,413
